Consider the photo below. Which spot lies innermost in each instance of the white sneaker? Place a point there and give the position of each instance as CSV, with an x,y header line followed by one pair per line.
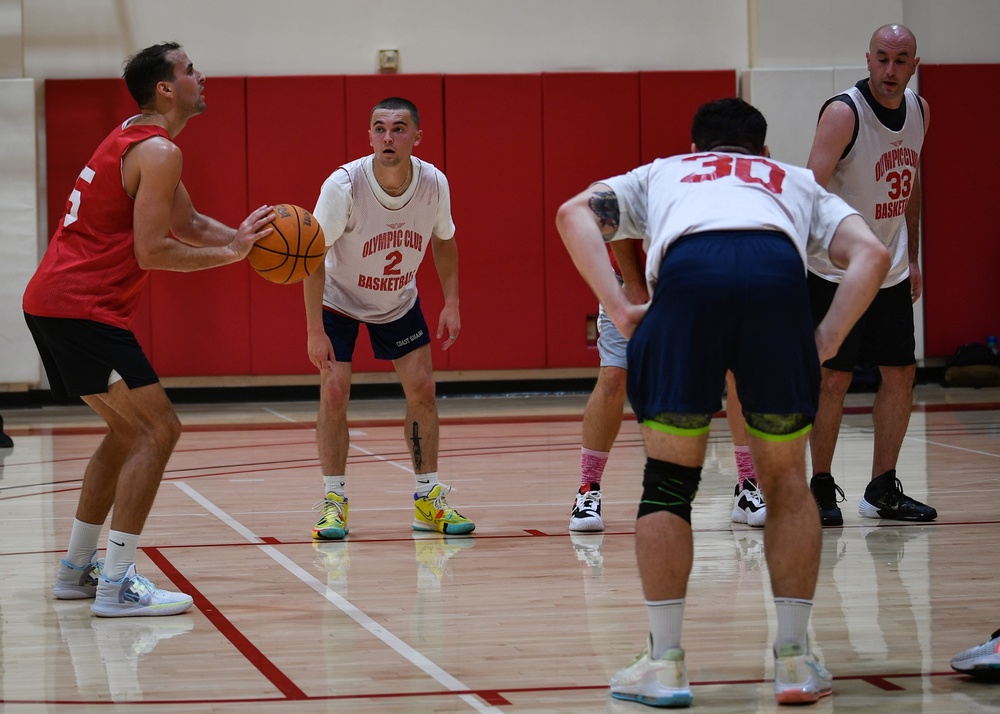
x,y
135,596
748,504
586,515
77,583
657,682
981,661
799,678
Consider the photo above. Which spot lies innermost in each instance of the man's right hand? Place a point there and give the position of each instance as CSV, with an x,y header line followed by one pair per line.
x,y
252,229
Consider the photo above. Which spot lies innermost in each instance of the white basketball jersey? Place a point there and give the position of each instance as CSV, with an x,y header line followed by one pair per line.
x,y
876,178
371,267
718,191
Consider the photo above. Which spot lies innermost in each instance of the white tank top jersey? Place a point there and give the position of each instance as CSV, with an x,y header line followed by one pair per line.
x,y
876,177
719,191
378,241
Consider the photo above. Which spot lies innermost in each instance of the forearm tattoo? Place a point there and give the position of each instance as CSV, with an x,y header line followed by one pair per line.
x,y
604,204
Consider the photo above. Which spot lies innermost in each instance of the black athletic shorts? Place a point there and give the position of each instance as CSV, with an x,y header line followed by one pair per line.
x,y
390,341
882,336
79,355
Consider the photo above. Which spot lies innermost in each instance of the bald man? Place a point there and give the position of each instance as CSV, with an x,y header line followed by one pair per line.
x,y
867,150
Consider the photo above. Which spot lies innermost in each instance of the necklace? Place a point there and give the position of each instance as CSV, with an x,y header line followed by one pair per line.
x,y
400,188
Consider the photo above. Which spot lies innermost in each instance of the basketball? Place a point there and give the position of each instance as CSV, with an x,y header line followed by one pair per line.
x,y
292,250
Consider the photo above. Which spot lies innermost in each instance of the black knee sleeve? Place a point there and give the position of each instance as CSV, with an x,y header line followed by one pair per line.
x,y
668,487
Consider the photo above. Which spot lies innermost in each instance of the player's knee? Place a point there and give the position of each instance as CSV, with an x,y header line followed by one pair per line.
x,y
836,382
668,487
777,427
334,394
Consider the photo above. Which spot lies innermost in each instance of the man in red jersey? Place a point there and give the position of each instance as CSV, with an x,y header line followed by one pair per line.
x,y
79,304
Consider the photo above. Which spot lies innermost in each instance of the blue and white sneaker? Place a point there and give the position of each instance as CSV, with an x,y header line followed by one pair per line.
x,y
135,596
981,661
77,582
657,682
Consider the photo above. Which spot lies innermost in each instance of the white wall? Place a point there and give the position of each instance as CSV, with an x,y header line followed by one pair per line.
x,y
791,54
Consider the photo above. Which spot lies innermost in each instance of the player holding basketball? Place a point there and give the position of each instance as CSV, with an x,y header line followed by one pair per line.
x,y
867,151
729,231
379,214
79,305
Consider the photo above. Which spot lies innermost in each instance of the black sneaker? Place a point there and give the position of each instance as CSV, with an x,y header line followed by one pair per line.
x,y
892,502
825,490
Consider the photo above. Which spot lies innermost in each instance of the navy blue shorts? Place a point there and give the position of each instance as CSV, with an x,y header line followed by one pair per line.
x,y
882,336
78,355
389,341
726,300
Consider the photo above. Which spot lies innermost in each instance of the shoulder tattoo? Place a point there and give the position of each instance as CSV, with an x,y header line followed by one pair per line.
x,y
604,205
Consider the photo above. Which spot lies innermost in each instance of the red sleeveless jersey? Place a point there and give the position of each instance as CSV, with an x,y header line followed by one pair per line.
x,y
89,271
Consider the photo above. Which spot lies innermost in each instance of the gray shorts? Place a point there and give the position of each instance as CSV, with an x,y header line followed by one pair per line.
x,y
610,342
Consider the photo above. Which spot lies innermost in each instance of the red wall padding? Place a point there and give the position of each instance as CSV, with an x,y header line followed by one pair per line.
x,y
590,131
961,237
668,101
523,305
201,320
296,137
493,130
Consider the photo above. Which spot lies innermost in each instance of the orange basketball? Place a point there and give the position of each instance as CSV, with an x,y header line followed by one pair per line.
x,y
293,250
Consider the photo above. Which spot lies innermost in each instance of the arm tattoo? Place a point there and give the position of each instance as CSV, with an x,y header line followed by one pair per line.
x,y
604,204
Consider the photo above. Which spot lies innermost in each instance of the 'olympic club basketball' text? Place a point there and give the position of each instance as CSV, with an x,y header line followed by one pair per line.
x,y
895,167
392,279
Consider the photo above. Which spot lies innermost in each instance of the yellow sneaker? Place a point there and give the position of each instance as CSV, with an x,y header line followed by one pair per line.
x,y
432,513
332,524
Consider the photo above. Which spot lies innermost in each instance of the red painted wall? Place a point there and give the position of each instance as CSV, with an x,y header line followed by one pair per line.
x,y
961,237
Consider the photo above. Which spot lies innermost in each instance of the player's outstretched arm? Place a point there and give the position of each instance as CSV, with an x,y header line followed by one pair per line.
x,y
865,261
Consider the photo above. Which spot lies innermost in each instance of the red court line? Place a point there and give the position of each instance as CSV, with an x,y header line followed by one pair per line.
x,y
243,645
491,696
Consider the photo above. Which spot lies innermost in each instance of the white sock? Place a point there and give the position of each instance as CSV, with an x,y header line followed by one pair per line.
x,y
793,622
334,484
426,482
82,542
666,618
120,555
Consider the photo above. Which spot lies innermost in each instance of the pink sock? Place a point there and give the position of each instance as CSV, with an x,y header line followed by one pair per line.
x,y
744,464
592,465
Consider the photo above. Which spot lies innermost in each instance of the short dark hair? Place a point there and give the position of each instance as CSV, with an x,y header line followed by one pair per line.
x,y
729,122
395,104
147,68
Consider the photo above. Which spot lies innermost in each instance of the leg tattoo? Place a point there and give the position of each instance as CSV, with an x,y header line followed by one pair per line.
x,y
417,455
